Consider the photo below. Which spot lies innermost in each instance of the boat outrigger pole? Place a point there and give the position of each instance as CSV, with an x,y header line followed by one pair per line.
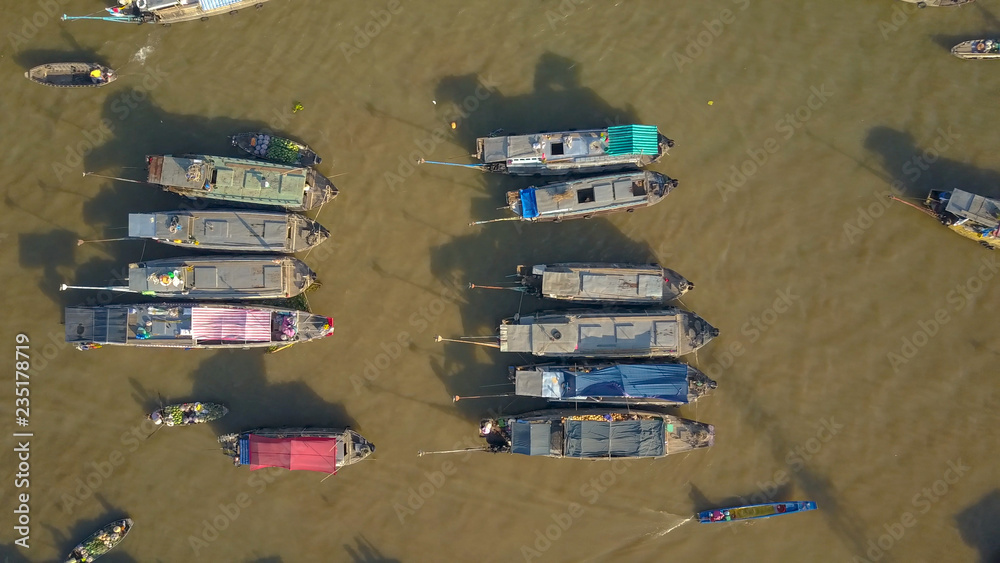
x,y
520,288
494,221
487,344
918,208
119,19
119,289
477,166
422,453
458,398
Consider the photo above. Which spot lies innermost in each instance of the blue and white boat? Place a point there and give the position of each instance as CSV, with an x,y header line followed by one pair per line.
x,y
659,384
754,511
167,11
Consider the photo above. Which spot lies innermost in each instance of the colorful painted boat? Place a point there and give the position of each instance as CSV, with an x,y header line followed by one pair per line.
x,y
100,542
192,325
977,49
326,450
971,216
168,11
186,414
659,384
754,511
276,149
72,75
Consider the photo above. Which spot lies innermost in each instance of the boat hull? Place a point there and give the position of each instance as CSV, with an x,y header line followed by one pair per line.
x,y
223,278
977,49
276,149
754,511
100,542
350,446
187,414
624,284
70,75
590,197
230,230
939,3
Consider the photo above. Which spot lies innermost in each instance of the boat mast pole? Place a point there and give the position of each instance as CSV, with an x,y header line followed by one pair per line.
x,y
474,223
486,344
458,398
422,453
120,289
477,166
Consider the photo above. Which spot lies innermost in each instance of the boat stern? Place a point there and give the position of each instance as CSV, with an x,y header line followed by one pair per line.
x,y
664,144
674,284
361,448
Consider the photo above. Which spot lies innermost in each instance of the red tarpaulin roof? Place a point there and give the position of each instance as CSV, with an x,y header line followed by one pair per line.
x,y
241,325
304,453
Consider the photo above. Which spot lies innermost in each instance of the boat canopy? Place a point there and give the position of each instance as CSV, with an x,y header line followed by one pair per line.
x,y
974,207
534,438
653,381
105,325
622,438
222,324
633,139
529,206
303,453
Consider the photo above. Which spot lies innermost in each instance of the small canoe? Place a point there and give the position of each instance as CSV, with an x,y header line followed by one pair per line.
x,y
938,3
229,230
168,11
977,49
186,414
72,75
754,511
276,149
100,542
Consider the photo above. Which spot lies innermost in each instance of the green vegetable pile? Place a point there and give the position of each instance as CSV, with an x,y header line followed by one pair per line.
x,y
174,413
282,150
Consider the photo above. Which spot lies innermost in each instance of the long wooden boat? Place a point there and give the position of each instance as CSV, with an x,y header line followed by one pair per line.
x,y
229,230
192,325
972,216
654,384
938,3
653,333
222,277
240,180
168,11
100,542
977,49
620,147
754,511
594,282
276,149
297,449
72,75
587,197
186,414
595,434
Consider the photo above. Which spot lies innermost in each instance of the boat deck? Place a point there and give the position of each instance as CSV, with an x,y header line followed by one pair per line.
x,y
222,278
197,9
236,230
231,179
637,284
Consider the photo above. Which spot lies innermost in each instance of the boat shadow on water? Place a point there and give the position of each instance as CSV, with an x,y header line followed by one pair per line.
x,y
991,32
920,168
364,552
490,253
238,379
701,503
977,525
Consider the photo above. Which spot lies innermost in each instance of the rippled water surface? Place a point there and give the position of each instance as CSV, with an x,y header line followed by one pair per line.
x,y
857,361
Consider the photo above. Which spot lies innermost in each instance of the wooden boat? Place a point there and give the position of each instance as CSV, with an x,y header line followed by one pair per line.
x,y
595,434
972,216
652,384
655,333
186,414
223,277
72,75
754,511
587,197
190,325
938,3
168,11
977,49
298,449
276,149
100,542
239,180
638,284
229,230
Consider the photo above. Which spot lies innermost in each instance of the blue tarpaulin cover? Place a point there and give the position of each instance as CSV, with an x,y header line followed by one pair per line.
x,y
660,381
531,438
529,207
244,448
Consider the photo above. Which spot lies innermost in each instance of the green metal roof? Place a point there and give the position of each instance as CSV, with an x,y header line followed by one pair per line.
x,y
633,139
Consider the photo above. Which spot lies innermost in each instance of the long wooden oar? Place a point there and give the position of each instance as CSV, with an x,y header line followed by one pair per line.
x,y
422,453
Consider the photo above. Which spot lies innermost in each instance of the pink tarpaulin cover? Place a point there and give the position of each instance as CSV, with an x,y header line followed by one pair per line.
x,y
240,325
306,454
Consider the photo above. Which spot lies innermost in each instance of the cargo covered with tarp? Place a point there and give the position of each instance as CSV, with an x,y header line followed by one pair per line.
x,y
304,453
668,382
621,438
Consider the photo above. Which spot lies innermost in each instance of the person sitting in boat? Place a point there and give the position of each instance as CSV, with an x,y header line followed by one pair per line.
x,y
97,77
716,516
155,417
